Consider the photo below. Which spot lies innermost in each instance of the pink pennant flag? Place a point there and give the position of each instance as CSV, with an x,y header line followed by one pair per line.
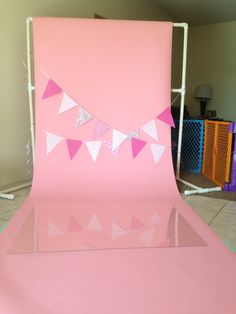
x,y
100,129
136,224
166,117
137,146
73,225
116,151
73,147
51,89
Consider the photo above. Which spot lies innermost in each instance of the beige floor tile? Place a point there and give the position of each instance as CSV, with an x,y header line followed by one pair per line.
x,y
224,223
208,208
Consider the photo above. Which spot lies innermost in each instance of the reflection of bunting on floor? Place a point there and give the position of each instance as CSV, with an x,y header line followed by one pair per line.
x,y
136,224
117,231
84,246
94,224
51,89
166,117
147,237
94,148
73,147
116,151
67,103
117,138
157,151
100,129
84,116
150,129
155,219
137,146
54,230
73,225
52,141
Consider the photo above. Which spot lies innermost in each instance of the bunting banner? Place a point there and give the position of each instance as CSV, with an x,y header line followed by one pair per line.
x,y
117,231
157,151
118,138
137,146
116,151
54,230
84,116
150,129
100,129
94,148
73,226
136,224
51,89
94,224
147,237
166,117
52,141
73,147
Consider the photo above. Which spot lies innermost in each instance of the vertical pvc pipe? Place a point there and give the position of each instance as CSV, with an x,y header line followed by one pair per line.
x,y
30,87
182,100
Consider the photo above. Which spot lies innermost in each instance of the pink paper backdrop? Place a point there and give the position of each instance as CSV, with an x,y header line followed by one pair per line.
x,y
119,71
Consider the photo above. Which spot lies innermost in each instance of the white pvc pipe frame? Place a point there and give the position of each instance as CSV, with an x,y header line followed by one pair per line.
x,y
181,90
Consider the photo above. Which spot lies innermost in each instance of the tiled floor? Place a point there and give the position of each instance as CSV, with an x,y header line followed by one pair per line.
x,y
219,214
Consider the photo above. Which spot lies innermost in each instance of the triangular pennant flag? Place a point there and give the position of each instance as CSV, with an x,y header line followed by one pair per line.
x,y
67,103
84,116
155,219
51,89
147,237
94,224
150,129
100,129
73,147
94,148
73,225
157,151
52,141
166,117
134,134
116,151
117,231
54,230
136,224
137,146
117,138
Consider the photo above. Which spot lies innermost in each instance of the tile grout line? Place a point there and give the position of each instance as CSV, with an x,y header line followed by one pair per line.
x,y
220,210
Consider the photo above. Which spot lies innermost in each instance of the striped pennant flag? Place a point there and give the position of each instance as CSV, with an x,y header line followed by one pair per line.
x,y
157,151
67,103
52,141
150,129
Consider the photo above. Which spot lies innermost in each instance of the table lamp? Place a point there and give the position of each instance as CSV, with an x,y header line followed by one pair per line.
x,y
204,93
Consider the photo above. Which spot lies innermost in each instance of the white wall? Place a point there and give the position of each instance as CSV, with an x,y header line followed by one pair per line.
x,y
212,60
14,115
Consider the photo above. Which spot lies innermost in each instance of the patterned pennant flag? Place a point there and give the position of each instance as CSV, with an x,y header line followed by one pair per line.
x,y
73,146
157,151
150,129
73,225
134,134
136,224
51,89
84,116
166,117
147,237
52,141
155,219
117,138
67,103
100,129
94,148
116,151
117,231
137,146
54,230
94,224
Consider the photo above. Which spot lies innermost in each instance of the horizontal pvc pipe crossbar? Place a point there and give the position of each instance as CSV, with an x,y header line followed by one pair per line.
x,y
15,188
200,191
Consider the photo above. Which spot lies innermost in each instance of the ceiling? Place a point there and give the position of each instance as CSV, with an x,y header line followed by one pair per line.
x,y
199,12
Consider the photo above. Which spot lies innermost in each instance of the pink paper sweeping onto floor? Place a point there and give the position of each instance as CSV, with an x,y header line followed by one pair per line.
x,y
104,229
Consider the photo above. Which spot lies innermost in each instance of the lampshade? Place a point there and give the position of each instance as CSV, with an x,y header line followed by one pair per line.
x,y
203,91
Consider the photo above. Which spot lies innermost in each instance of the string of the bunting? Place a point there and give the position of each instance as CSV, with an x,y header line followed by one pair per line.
x,y
94,147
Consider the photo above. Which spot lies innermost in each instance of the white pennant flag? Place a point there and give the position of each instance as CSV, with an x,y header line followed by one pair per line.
x,y
67,103
117,231
117,138
94,224
94,148
52,141
54,230
150,129
84,116
157,151
147,237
